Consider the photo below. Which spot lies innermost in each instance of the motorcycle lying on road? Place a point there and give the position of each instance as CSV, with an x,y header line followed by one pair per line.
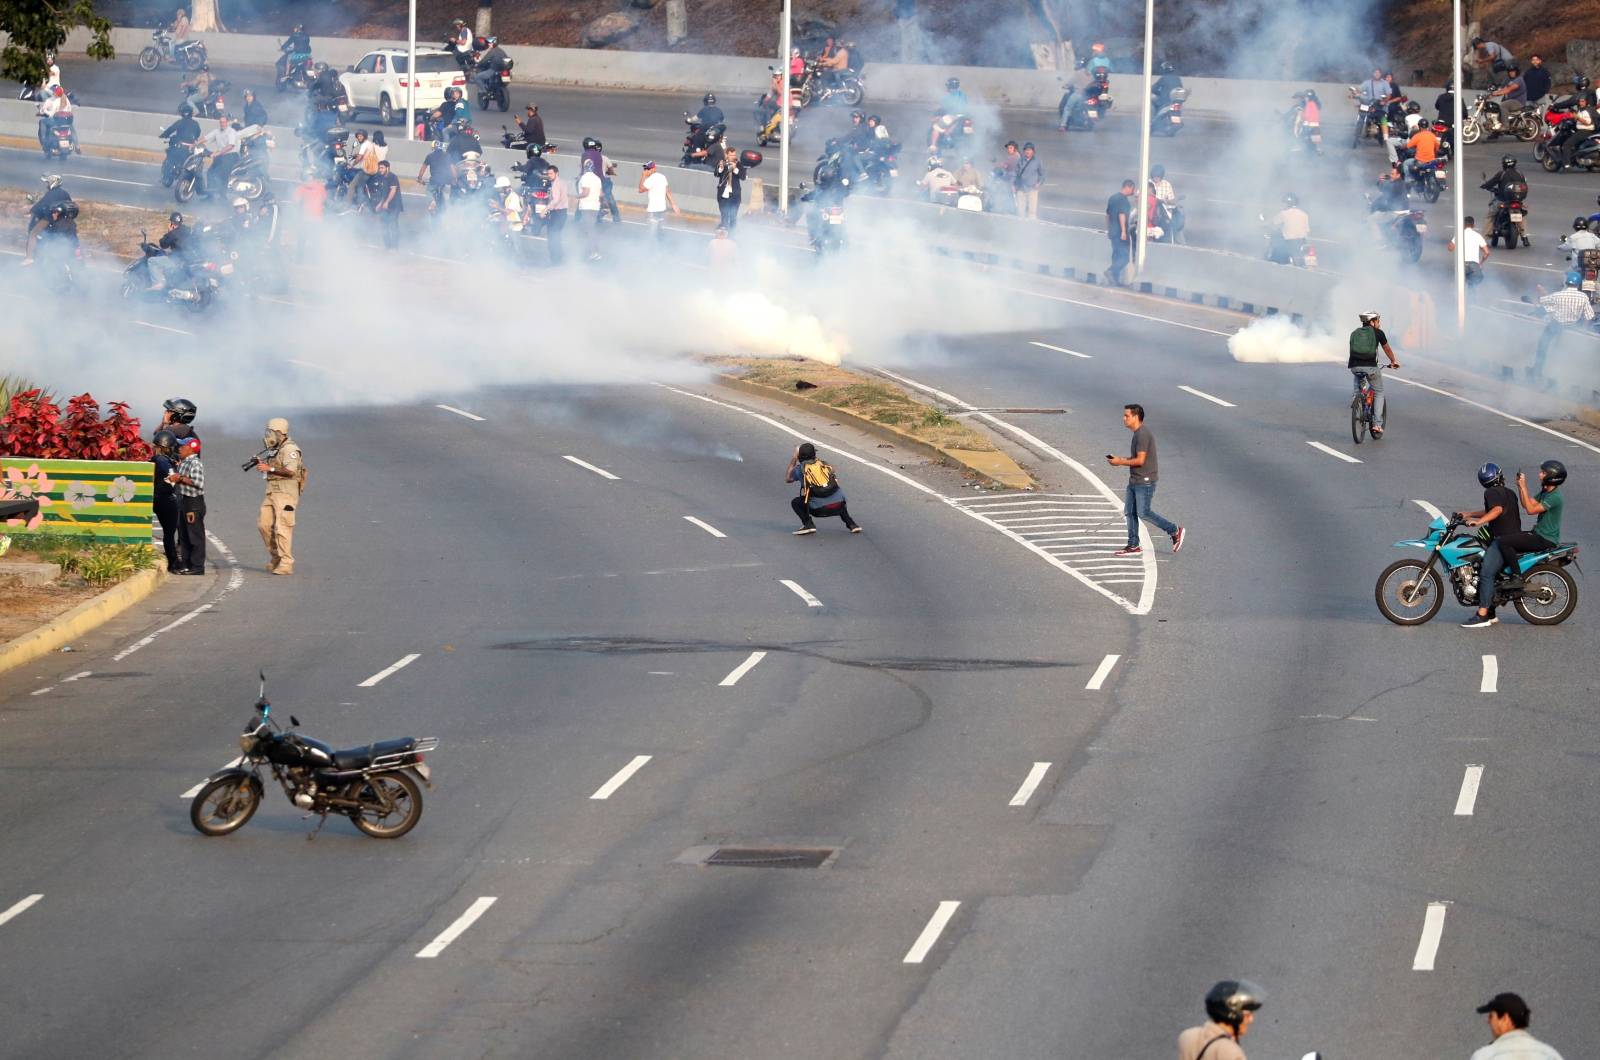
x,y
1411,591
376,786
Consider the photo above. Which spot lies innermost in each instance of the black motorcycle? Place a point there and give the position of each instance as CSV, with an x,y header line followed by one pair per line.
x,y
376,786
499,90
196,293
818,87
702,147
191,174
294,70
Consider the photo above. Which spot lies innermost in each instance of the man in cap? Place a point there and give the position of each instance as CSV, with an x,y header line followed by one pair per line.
x,y
284,470
189,480
1508,1022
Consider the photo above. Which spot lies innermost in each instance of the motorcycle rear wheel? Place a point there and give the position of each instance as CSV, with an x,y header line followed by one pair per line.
x,y
223,806
149,59
1431,190
194,58
1527,128
1549,595
1405,596
377,822
1550,162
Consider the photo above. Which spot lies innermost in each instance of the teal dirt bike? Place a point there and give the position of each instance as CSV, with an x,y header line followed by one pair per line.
x,y
1411,591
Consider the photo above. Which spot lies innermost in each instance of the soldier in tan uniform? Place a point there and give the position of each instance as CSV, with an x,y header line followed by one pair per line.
x,y
1231,1006
284,472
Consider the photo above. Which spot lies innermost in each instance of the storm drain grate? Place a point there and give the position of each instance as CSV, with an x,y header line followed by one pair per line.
x,y
772,857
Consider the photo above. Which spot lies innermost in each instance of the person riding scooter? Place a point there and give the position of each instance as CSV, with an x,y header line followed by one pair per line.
x,y
296,53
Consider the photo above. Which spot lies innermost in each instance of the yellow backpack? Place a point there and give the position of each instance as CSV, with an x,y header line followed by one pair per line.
x,y
817,477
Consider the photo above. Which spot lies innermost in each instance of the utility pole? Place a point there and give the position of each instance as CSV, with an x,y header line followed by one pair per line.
x,y
783,103
411,73
1144,133
1460,182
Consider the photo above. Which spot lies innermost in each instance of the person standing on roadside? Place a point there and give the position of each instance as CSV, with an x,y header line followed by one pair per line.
x,y
177,416
1119,229
1474,251
189,480
165,501
657,198
821,496
590,191
730,175
1141,465
387,204
1508,1023
556,225
1028,178
284,471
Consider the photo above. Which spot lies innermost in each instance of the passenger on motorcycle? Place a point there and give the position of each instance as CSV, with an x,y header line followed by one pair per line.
x,y
938,180
1365,342
55,111
455,108
1293,229
1097,59
199,86
1566,142
222,147
255,113
1500,514
459,42
490,65
39,215
1076,87
1507,186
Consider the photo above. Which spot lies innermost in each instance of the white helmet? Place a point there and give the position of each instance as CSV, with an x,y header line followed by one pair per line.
x,y
238,201
502,182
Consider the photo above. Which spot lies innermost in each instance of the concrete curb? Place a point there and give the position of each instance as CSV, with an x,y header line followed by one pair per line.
x,y
994,467
80,620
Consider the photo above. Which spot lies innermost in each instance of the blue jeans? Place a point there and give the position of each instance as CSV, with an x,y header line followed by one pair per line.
x,y
1375,377
1119,259
1137,506
1493,561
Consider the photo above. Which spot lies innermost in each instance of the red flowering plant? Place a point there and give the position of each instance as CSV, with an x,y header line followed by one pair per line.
x,y
34,426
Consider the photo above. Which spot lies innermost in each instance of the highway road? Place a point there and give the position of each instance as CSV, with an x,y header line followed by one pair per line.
x,y
1062,793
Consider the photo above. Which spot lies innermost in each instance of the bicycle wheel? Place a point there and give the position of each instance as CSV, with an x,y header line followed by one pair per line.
x,y
1358,422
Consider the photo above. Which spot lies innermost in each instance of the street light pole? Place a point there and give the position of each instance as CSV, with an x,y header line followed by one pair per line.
x,y
411,73
783,109
1460,182
1143,183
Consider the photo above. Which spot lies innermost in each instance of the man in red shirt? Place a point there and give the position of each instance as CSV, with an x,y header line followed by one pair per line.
x,y
311,198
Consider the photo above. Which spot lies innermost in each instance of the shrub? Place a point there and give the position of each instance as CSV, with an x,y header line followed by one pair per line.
x,y
34,426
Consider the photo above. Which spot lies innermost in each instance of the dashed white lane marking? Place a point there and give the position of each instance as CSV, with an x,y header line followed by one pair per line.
x,y
235,579
602,472
707,527
1207,397
1061,349
1504,415
455,930
1431,509
163,327
1030,784
389,670
609,787
1101,672
742,669
460,412
930,934
65,681
1432,932
1468,798
1333,452
192,792
1491,675
795,587
20,908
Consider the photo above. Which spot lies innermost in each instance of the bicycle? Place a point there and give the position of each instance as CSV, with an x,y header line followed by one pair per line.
x,y
1363,407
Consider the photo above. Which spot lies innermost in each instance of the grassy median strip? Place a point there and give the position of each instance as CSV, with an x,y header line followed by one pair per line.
x,y
103,227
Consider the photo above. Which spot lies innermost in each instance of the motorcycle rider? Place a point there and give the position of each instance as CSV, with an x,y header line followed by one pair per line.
x,y
1513,95
54,111
296,50
1169,213
1308,120
1545,535
181,136
59,237
834,65
459,43
1077,86
1161,91
1500,515
1231,1007
199,86
1444,107
1423,147
1365,342
39,215
1574,131
255,113
438,175
1581,239
1293,229
169,269
491,64
938,179
463,139
955,100
860,136
1507,186
532,126
506,207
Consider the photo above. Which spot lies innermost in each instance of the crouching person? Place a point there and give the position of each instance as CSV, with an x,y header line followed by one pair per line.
x,y
820,493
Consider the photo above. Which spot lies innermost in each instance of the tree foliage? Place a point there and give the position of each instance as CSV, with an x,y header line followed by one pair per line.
x,y
35,27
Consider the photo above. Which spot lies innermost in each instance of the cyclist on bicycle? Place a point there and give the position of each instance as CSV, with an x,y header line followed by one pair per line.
x,y
1365,342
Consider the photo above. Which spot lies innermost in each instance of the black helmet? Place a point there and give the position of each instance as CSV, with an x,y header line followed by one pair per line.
x,y
873,119
1490,475
710,99
164,439
1165,67
1580,223
858,115
1554,472
832,144
591,144
206,67
299,27
1158,171
174,218
1311,94
535,150
1291,199
186,111
1413,107
182,409
1229,1000
1580,83
1507,161
953,85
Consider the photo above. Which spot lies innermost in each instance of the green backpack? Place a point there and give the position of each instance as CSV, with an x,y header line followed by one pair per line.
x,y
1364,343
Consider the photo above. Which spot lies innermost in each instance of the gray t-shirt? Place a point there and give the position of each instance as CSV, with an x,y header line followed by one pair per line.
x,y
1143,442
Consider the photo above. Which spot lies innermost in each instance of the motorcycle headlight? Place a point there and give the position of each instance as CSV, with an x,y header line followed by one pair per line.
x,y
247,744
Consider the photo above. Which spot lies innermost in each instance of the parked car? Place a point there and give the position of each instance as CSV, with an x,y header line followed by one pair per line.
x,y
378,82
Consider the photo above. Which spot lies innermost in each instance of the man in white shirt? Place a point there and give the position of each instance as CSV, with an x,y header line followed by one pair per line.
x,y
1508,1023
590,190
1474,250
221,142
1579,240
657,198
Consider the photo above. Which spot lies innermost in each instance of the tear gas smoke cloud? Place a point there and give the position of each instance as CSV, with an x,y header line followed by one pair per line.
x,y
1274,340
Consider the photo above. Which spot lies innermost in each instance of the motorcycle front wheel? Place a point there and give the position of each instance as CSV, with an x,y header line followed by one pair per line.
x,y
1409,593
184,190
403,813
149,59
194,58
853,94
223,806
1471,131
1550,162
1549,595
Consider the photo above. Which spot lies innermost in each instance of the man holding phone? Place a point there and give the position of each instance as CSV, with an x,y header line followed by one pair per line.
x,y
1141,465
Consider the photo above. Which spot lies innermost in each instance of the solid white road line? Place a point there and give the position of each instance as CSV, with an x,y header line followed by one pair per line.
x,y
235,579
1030,784
1469,791
1491,675
1062,349
192,792
1114,309
1208,397
1333,452
609,787
794,587
930,934
707,527
1432,932
1504,415
163,327
455,930
1431,509
742,669
388,670
1102,672
20,908
602,472
460,412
